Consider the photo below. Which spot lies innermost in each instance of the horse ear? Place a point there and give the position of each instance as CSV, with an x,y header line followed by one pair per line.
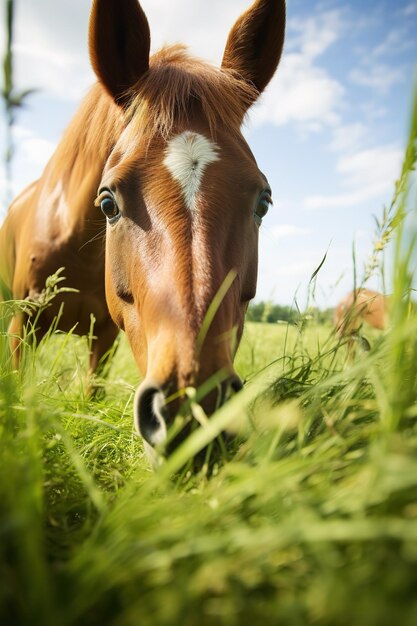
x,y
255,42
119,43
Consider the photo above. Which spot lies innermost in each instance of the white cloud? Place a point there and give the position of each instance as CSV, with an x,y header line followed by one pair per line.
x,y
316,34
31,155
345,200
31,148
7,192
374,111
361,235
61,74
299,269
372,166
396,41
282,231
377,76
51,47
409,9
380,66
368,174
348,138
303,92
201,25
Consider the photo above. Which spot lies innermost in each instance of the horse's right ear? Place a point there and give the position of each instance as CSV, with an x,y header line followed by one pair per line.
x,y
119,43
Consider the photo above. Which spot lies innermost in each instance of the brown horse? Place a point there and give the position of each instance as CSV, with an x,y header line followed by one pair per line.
x,y
182,197
361,305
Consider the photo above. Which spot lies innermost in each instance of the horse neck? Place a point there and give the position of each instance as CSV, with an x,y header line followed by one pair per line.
x,y
74,172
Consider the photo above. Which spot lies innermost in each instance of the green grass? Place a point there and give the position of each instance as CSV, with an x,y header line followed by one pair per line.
x,y
318,506
312,519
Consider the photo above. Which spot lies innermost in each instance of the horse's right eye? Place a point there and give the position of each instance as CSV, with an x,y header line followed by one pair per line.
x,y
109,207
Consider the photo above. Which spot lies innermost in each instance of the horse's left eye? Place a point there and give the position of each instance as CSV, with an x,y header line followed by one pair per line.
x,y
263,205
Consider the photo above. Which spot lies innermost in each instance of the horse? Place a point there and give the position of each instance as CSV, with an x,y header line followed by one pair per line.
x,y
152,202
361,305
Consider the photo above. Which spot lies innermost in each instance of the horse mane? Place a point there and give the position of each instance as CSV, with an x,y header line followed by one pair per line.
x,y
177,86
88,139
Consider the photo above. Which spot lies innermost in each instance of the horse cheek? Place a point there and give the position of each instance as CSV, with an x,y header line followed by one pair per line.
x,y
113,302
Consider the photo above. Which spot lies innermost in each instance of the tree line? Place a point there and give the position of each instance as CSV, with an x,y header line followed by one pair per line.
x,y
271,313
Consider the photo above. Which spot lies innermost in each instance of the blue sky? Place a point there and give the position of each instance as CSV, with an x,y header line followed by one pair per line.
x,y
329,133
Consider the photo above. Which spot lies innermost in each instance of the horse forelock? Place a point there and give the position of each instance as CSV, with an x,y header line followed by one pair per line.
x,y
179,87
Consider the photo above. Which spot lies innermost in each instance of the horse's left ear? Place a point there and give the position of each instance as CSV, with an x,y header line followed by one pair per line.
x,y
255,42
119,42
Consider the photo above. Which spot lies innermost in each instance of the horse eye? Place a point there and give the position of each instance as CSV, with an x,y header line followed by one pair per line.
x,y
109,207
262,208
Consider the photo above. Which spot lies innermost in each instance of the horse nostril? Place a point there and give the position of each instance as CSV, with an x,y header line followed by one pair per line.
x,y
150,414
231,386
235,383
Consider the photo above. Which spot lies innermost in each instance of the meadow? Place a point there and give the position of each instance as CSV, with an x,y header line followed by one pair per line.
x,y
311,518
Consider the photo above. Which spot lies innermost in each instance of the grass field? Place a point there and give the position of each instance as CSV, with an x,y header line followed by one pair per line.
x,y
312,519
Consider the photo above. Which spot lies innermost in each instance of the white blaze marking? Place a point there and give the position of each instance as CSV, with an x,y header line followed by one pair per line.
x,y
187,156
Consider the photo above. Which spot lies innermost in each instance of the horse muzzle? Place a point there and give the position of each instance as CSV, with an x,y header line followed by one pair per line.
x,y
153,414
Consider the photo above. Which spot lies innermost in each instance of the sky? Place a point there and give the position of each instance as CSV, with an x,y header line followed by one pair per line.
x,y
329,132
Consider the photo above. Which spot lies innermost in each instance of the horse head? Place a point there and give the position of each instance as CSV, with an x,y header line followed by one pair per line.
x,y
183,198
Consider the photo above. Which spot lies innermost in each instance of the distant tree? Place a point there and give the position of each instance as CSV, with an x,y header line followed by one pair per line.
x,y
268,312
12,99
324,316
255,312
